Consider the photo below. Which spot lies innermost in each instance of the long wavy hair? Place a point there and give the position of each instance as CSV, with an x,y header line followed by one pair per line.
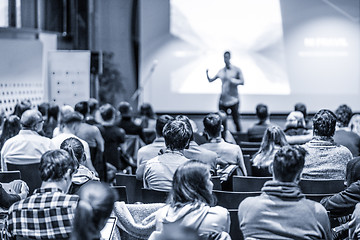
x,y
190,185
11,128
273,137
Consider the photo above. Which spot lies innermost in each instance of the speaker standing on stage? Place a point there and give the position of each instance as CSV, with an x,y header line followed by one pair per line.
x,y
231,77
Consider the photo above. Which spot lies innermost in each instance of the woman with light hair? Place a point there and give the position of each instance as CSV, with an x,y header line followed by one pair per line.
x,y
295,124
354,124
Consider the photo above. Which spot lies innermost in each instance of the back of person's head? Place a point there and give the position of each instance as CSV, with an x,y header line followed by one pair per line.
x,y
288,163
343,115
353,171
212,125
262,111
146,110
324,123
71,118
354,123
94,208
75,148
273,135
301,108
125,109
82,107
10,128
43,108
177,135
186,120
191,184
107,112
53,111
21,107
54,164
160,124
93,105
295,119
30,119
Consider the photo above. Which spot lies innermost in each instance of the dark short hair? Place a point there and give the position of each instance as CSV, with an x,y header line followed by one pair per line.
x,y
186,120
43,108
190,184
107,112
301,108
55,163
262,111
177,135
343,115
288,162
161,122
324,123
53,111
93,105
125,109
82,107
212,124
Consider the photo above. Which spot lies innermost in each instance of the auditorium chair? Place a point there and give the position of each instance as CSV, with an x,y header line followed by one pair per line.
x,y
249,151
248,164
8,176
216,182
133,186
244,144
317,196
231,200
153,196
248,184
235,232
318,186
30,174
121,193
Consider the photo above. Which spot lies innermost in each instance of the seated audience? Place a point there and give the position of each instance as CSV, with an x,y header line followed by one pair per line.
x,y
19,190
10,129
147,117
64,110
89,133
49,212
159,171
295,124
94,208
27,146
354,124
92,117
343,135
281,211
191,203
229,154
326,159
82,174
51,121
21,107
150,151
196,152
273,140
69,125
256,132
113,137
127,122
302,108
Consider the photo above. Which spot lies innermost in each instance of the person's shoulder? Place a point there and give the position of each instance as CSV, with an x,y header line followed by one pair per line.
x,y
221,211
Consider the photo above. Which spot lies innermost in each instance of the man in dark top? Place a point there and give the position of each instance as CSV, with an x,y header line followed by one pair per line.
x,y
256,133
127,122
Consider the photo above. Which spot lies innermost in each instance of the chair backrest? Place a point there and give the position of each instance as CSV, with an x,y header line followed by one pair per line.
x,y
231,200
249,151
153,196
29,173
216,181
248,184
317,196
321,185
121,193
8,176
235,231
133,186
248,164
239,137
244,144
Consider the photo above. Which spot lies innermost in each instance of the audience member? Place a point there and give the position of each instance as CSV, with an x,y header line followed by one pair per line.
x,y
94,208
52,120
19,190
69,125
82,174
295,124
281,211
326,159
21,107
159,171
147,117
49,212
229,154
150,151
127,122
354,124
27,146
10,129
273,140
343,135
226,134
64,110
191,203
92,117
89,133
196,152
302,108
256,133
113,137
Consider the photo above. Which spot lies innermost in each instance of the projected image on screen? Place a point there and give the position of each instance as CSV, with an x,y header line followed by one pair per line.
x,y
251,33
